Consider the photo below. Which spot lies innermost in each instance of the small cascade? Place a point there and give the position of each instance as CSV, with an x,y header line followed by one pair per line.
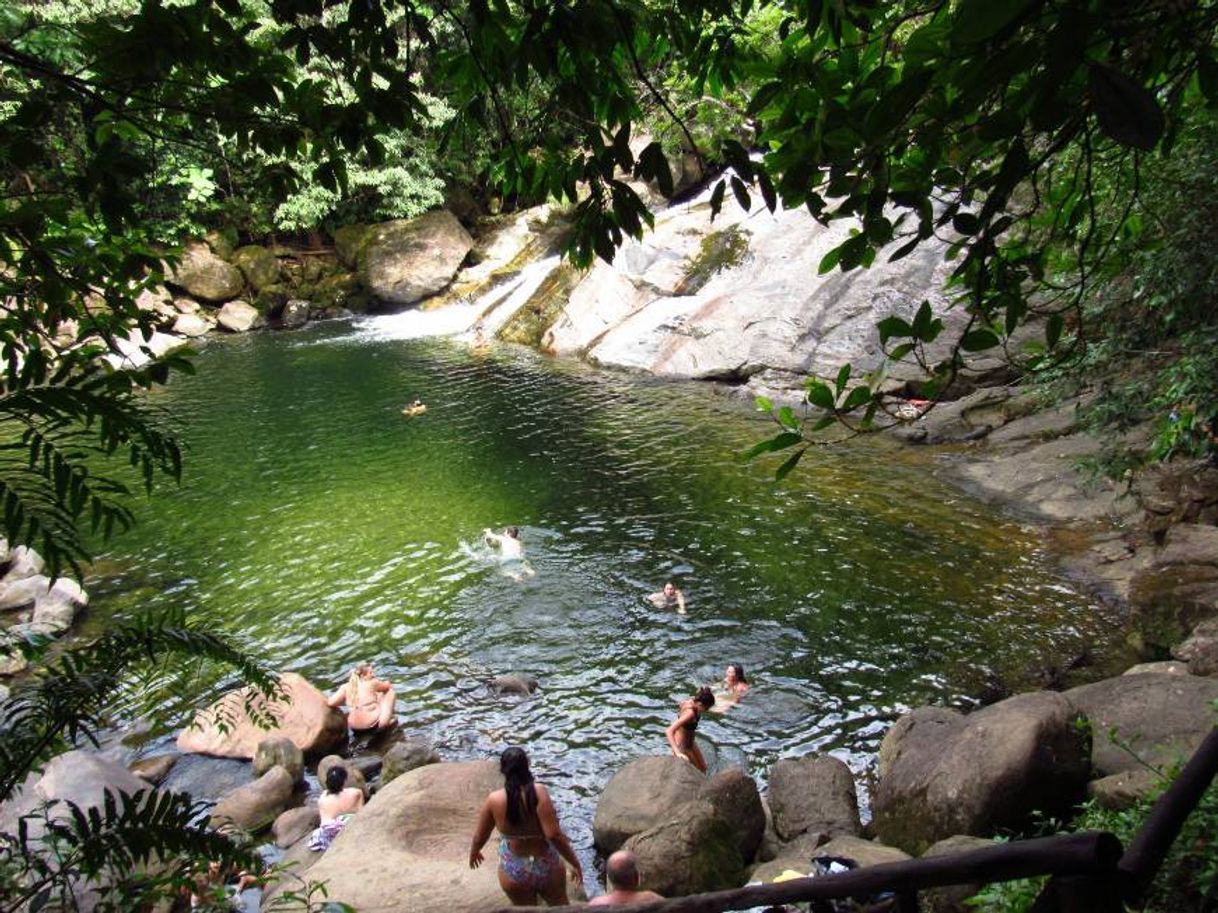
x,y
493,307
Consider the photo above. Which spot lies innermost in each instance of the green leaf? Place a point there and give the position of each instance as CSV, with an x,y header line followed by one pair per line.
x,y
790,463
829,260
858,396
979,340
741,192
1126,110
820,395
979,20
778,442
922,322
786,418
901,351
843,376
893,326
966,223
716,200
764,404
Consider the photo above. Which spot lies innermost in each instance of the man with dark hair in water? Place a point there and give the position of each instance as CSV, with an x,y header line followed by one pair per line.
x,y
622,875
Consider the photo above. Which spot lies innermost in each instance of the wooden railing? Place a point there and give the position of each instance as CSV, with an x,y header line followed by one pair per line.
x,y
1088,872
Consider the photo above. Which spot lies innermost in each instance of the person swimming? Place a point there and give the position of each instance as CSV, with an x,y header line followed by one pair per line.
x,y
532,844
669,597
418,407
680,732
371,700
511,552
735,686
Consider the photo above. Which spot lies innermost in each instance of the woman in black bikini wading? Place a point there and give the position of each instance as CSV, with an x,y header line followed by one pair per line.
x,y
681,732
531,840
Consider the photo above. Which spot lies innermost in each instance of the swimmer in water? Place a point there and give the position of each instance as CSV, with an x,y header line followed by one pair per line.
x,y
734,687
511,552
480,343
668,598
418,407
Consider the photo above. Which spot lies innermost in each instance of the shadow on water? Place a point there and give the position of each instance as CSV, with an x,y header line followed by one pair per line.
x,y
326,528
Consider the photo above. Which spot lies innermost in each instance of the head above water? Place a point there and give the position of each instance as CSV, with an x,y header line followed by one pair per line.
x,y
670,589
705,697
513,531
735,673
622,870
336,778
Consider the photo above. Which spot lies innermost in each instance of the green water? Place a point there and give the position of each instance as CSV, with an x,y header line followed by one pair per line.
x,y
326,528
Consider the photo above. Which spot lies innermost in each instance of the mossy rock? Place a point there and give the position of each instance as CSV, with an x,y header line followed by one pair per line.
x,y
529,324
270,300
720,250
347,242
259,266
318,267
222,241
334,290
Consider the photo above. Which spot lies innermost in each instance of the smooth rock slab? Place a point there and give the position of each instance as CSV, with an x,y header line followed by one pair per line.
x,y
302,716
256,805
294,825
238,317
154,769
1161,718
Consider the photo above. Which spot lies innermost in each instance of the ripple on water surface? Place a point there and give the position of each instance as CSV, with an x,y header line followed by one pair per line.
x,y
326,528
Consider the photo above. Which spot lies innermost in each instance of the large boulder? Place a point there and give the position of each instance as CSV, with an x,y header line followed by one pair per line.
x,y
942,773
694,852
203,275
191,325
259,266
733,795
295,314
513,684
282,751
813,793
406,850
864,852
1125,789
238,317
1158,719
406,756
256,805
403,262
301,713
953,898
643,794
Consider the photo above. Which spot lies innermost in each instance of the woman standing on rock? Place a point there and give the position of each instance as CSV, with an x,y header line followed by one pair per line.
x,y
531,840
681,731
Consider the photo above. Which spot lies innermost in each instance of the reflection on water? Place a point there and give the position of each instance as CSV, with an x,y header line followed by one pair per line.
x,y
326,528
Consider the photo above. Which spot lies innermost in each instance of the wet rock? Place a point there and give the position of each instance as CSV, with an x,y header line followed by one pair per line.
x,y
282,751
238,317
259,266
942,773
407,848
795,856
1200,651
302,715
294,825
513,684
406,756
403,262
206,779
355,776
813,793
256,805
1178,586
1160,718
1125,789
154,769
368,765
204,276
295,314
770,846
734,797
953,898
23,561
642,795
695,852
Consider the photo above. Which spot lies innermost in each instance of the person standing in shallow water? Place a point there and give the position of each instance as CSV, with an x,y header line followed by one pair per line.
x,y
532,844
680,733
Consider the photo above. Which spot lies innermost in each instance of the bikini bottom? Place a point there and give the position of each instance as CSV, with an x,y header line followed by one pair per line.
x,y
532,872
